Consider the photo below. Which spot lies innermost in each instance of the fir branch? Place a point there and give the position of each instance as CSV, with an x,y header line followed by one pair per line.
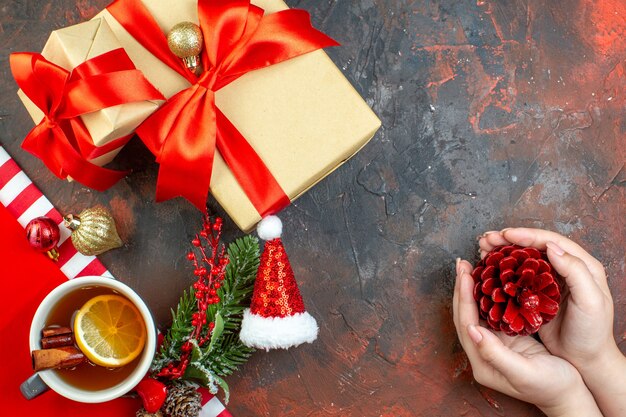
x,y
232,354
239,280
178,332
225,353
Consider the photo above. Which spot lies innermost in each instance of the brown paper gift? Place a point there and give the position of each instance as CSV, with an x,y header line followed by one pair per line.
x,y
302,116
73,45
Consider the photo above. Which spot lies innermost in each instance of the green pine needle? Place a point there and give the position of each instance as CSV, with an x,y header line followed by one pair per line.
x,y
225,353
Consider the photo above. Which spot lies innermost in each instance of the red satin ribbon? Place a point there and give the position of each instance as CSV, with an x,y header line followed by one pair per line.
x,y
186,131
59,139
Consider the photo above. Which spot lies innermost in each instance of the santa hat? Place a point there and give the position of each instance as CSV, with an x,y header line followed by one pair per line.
x,y
276,317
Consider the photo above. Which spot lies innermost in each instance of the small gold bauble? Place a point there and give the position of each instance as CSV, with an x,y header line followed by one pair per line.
x,y
185,40
93,231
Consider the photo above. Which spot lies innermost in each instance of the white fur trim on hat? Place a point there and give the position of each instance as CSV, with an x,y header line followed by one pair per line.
x,y
270,228
277,332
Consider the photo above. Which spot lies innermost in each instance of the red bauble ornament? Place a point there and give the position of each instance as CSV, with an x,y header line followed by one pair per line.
x,y
153,394
43,235
517,289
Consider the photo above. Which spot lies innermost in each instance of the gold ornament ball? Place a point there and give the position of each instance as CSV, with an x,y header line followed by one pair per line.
x,y
185,40
93,231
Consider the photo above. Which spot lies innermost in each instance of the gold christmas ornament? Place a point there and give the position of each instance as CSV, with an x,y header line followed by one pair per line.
x,y
93,231
185,41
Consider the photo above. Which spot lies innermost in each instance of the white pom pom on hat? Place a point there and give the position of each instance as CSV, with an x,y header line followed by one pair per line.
x,y
270,228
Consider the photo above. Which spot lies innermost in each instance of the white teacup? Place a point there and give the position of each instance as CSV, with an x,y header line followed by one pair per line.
x,y
53,381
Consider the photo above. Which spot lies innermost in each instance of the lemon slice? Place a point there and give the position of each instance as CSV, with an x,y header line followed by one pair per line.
x,y
109,330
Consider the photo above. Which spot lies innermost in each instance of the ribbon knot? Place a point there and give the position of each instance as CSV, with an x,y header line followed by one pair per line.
x,y
49,122
104,81
208,79
188,129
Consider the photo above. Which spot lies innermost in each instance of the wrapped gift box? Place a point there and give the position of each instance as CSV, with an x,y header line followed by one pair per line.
x,y
110,128
302,116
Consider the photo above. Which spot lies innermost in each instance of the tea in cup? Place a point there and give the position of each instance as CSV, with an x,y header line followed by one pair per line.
x,y
92,339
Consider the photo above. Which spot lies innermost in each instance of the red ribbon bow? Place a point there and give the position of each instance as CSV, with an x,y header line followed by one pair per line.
x,y
104,81
185,132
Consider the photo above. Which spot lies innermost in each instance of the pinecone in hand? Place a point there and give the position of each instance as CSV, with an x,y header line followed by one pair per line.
x,y
516,289
143,413
182,401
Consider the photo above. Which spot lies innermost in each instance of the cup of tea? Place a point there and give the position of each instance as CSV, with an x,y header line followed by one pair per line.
x,y
78,372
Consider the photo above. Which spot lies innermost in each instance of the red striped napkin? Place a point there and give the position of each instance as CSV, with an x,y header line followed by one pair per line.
x,y
27,276
24,201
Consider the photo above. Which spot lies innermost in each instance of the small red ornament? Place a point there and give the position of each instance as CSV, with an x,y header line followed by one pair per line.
x,y
43,235
517,290
153,394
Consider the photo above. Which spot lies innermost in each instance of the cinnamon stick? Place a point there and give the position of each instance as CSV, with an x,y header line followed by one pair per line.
x,y
62,357
57,341
55,331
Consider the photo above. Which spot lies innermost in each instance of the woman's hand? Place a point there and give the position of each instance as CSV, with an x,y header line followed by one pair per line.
x,y
517,366
582,332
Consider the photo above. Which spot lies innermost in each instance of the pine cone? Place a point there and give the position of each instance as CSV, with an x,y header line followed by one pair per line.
x,y
143,413
516,289
182,401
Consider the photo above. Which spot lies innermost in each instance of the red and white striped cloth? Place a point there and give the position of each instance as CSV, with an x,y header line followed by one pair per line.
x,y
23,200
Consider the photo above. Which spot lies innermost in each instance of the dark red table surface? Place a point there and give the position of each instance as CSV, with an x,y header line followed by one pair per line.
x,y
495,113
